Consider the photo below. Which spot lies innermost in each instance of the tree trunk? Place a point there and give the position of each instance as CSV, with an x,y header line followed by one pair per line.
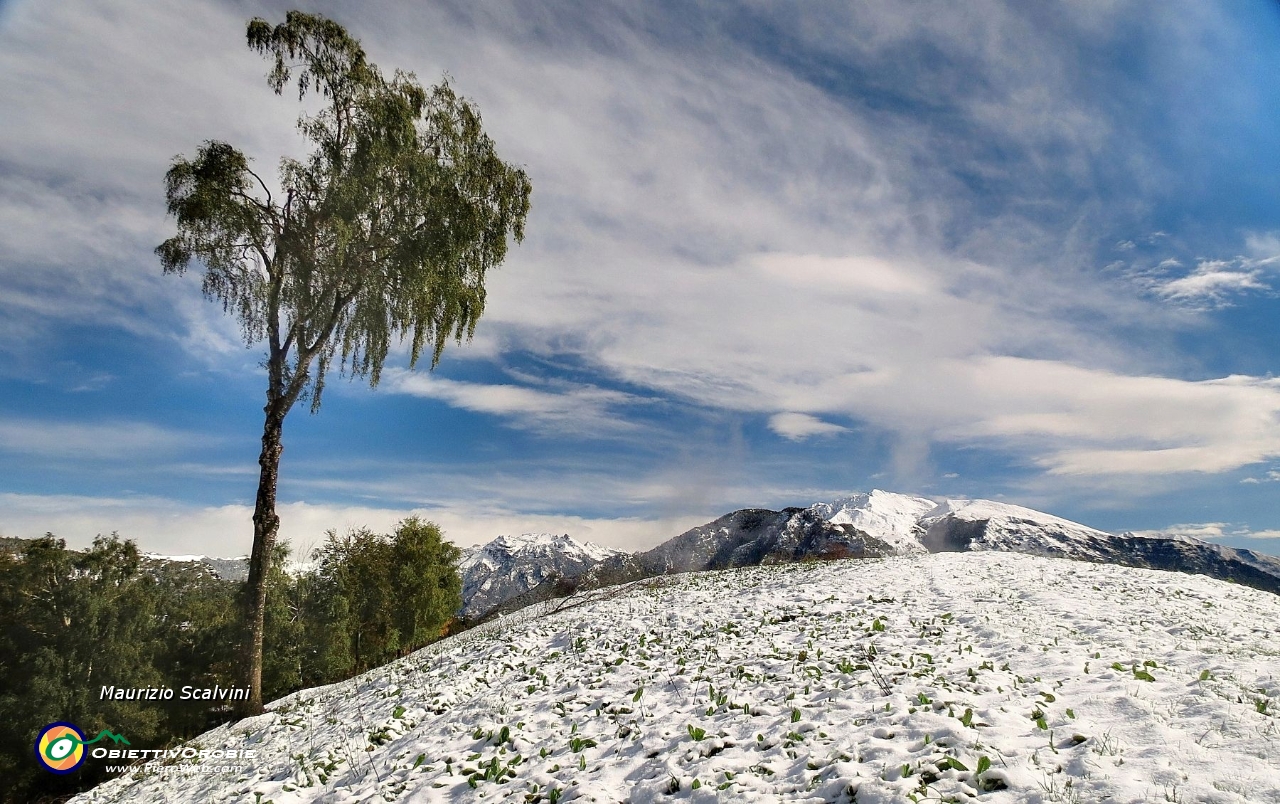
x,y
266,524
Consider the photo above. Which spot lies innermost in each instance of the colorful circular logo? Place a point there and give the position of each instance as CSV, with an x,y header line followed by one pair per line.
x,y
60,747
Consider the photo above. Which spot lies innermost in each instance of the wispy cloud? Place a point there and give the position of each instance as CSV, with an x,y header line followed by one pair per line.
x,y
918,256
1214,282
800,426
176,528
122,440
1213,531
578,409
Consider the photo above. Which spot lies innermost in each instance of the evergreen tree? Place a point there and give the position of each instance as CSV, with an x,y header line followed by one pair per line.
x,y
425,571
75,621
382,596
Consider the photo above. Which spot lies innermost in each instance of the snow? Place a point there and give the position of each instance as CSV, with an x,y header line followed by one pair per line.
x,y
1060,680
509,566
533,543
160,557
887,516
975,510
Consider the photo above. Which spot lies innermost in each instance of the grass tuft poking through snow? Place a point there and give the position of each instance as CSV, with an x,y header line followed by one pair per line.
x,y
959,677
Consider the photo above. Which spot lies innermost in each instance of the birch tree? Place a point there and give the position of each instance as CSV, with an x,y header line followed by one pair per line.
x,y
383,233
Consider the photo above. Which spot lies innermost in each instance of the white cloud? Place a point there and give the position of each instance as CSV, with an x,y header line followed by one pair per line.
x,y
103,441
1213,280
175,528
1263,248
688,234
800,426
1212,531
574,408
1272,476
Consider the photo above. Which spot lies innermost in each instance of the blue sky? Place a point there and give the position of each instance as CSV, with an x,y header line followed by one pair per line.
x,y
776,254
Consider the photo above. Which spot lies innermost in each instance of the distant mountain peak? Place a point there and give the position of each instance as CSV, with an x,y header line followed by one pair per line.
x,y
510,566
887,516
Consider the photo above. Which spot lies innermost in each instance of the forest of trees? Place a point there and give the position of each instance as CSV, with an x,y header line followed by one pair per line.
x,y
75,621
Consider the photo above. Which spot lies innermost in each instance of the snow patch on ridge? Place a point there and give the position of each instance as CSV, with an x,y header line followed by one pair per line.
x,y
974,510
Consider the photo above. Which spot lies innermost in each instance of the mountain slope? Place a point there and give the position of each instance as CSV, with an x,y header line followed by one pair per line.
x,y
228,569
958,676
879,523
889,517
510,566
758,536
958,525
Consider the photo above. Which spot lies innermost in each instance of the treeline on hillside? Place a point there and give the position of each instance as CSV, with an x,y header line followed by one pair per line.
x,y
76,621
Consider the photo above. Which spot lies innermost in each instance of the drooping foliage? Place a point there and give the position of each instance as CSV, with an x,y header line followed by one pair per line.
x,y
386,229
384,232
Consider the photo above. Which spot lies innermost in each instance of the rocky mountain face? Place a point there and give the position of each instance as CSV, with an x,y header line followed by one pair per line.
x,y
745,538
756,536
510,566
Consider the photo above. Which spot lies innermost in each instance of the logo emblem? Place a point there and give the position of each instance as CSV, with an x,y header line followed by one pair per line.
x,y
60,747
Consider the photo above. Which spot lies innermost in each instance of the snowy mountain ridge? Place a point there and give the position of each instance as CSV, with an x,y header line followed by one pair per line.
x,y
516,570
887,516
510,566
228,569
880,524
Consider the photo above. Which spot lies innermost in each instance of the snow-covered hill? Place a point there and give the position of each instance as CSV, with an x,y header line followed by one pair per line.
x,y
510,566
988,525
971,676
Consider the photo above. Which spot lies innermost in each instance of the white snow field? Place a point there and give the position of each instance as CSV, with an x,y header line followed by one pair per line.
x,y
986,677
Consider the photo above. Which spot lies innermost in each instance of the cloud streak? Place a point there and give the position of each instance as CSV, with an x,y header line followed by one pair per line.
x,y
105,441
577,409
176,528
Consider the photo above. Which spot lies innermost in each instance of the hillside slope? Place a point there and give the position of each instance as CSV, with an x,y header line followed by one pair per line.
x,y
973,676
